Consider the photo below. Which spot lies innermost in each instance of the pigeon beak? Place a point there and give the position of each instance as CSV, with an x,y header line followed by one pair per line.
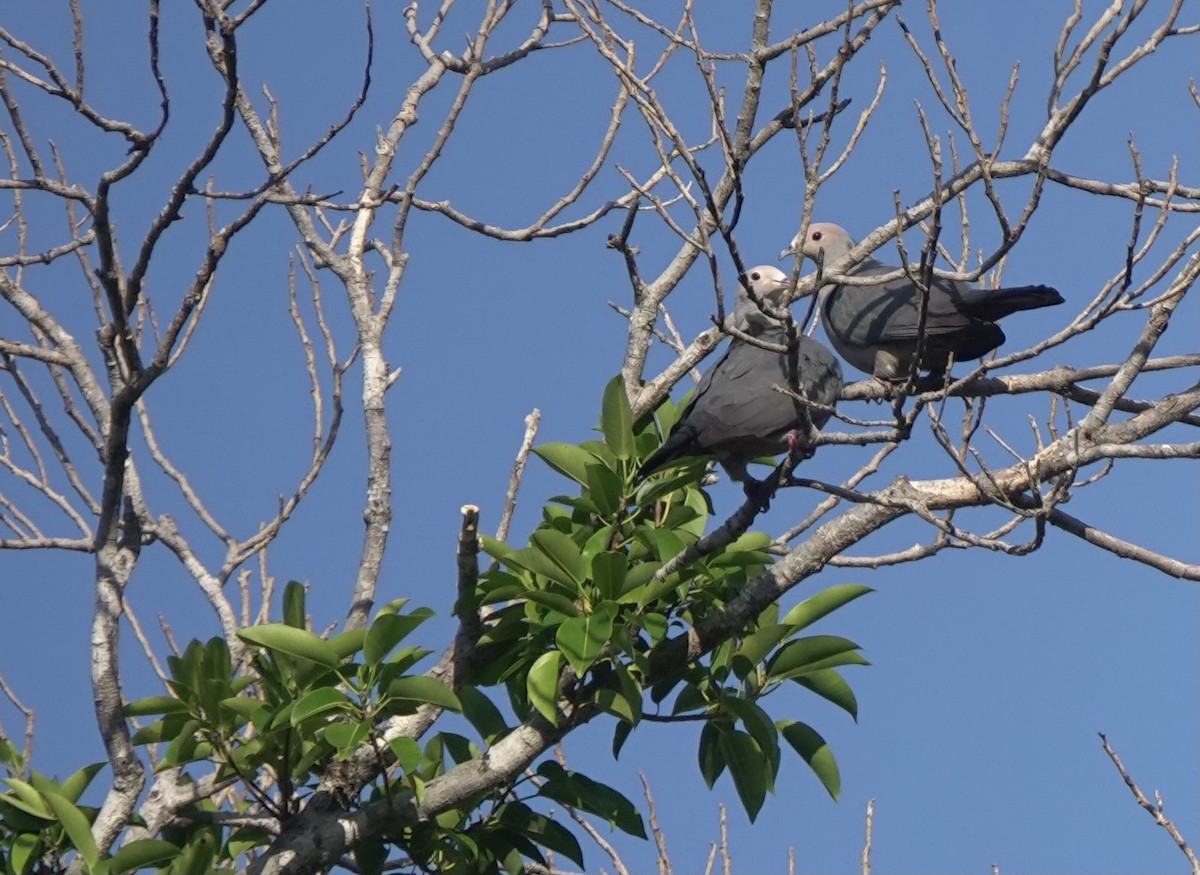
x,y
785,254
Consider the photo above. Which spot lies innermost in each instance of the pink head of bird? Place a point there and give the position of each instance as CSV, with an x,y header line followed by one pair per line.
x,y
825,237
768,282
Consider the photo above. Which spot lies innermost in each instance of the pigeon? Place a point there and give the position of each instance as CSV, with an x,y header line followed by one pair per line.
x,y
735,415
875,327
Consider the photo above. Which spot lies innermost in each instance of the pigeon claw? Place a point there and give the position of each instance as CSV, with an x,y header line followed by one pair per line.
x,y
758,492
889,387
798,448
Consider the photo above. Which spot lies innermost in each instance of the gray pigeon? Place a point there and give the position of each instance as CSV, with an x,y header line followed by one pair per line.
x,y
735,415
875,328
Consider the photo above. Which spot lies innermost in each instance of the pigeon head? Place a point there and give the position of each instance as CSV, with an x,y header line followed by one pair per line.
x,y
825,237
769,284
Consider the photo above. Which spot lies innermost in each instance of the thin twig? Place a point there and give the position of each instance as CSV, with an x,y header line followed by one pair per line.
x,y
1155,810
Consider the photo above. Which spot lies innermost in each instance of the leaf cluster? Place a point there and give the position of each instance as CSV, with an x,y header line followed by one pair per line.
x,y
566,625
574,616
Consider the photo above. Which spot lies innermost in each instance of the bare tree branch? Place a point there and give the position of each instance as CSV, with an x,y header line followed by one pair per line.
x,y
1154,810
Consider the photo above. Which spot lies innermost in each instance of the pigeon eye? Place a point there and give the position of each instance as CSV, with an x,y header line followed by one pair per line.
x,y
816,235
756,276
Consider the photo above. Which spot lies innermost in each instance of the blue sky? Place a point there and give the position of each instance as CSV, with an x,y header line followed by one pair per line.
x,y
991,675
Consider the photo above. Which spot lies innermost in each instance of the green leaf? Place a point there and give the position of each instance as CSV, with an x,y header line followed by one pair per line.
x,y
26,798
812,609
310,754
348,643
460,748
748,768
625,701
10,756
566,459
655,626
293,642
566,555
500,586
604,488
25,848
663,543
42,783
419,688
346,737
554,836
243,706
720,658
75,825
598,541
496,549
533,559
482,714
615,703
758,644
748,551
159,730
142,854
581,639
75,784
631,689
541,685
657,589
807,742
553,601
602,452
293,605
690,698
388,630
849,657
616,421
828,684
246,838
608,573
762,730
196,856
215,672
636,579
580,791
20,815
692,516
395,606
620,736
507,838
407,752
748,542
680,473
581,502
805,653
155,705
711,756
183,746
320,701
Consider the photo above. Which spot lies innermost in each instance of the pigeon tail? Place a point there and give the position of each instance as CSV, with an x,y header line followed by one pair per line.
x,y
1002,302
683,441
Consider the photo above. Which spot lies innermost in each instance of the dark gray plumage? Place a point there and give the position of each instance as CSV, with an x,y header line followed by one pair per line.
x,y
735,415
875,327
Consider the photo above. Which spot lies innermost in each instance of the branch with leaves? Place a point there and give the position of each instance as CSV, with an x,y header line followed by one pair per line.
x,y
277,749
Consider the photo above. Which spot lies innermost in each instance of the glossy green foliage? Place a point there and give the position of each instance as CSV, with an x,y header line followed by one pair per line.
x,y
731,687
43,826
568,625
272,726
578,609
